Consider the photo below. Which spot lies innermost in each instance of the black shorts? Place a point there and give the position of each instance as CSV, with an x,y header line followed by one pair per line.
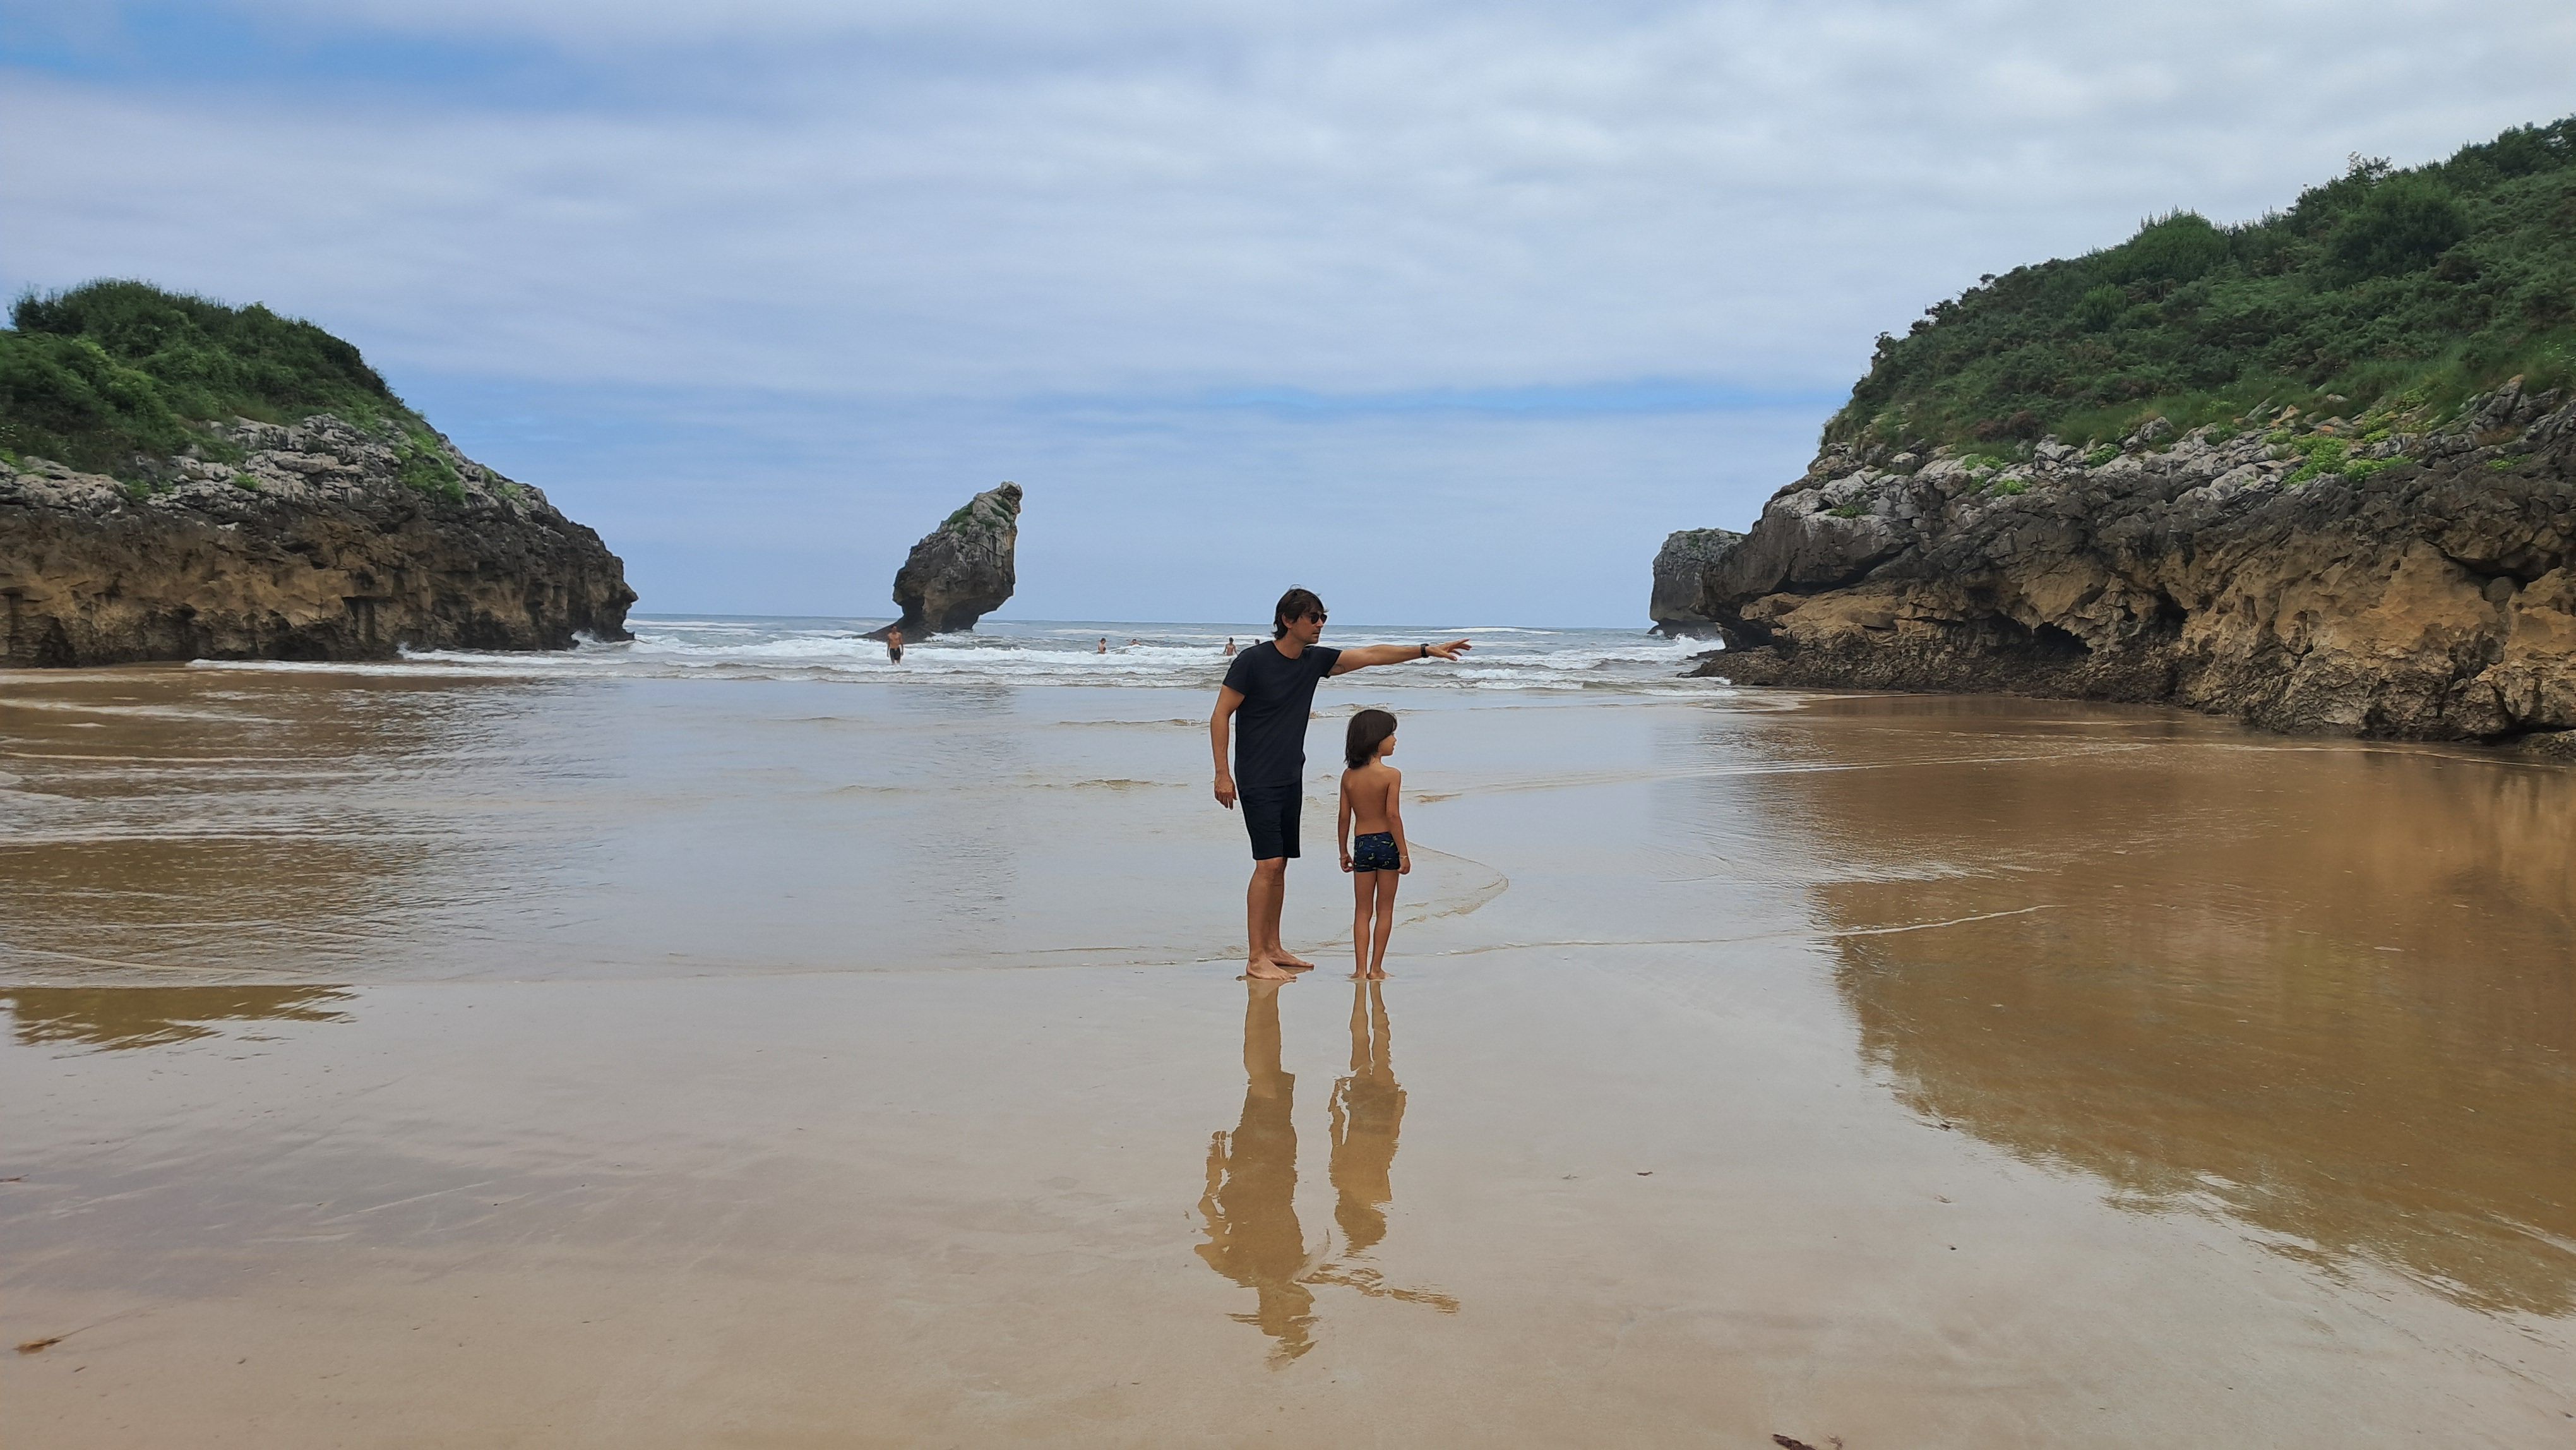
x,y
1270,818
1376,852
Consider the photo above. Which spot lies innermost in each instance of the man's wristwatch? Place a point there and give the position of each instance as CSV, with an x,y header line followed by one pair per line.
x,y
1426,652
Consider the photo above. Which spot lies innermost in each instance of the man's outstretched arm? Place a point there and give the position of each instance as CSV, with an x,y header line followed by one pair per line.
x,y
1228,700
1395,654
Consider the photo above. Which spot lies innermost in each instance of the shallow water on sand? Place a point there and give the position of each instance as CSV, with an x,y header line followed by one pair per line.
x,y
679,1060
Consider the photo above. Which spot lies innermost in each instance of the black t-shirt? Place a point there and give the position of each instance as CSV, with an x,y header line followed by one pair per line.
x,y
1270,730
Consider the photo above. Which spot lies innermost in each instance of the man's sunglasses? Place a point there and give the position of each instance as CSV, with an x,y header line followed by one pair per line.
x,y
1316,615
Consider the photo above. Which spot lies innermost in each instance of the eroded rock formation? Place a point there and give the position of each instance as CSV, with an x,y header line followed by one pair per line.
x,y
1680,566
2423,587
326,542
962,570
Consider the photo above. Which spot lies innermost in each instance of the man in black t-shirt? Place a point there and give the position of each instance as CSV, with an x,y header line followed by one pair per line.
x,y
1271,687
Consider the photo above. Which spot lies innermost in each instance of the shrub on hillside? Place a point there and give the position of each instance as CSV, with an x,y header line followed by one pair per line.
x,y
2430,284
113,374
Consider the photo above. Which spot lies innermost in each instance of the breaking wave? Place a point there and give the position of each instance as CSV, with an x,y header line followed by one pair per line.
x,y
1042,653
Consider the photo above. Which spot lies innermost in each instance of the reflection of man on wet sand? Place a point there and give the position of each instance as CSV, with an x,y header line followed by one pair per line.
x,y
1250,1204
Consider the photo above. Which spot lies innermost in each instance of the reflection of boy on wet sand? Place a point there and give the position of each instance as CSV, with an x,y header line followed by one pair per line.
x,y
1368,1110
1250,1204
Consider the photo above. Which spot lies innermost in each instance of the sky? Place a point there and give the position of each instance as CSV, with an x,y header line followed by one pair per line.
x,y
1448,311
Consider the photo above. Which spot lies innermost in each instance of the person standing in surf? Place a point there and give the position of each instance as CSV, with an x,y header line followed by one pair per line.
x,y
1270,691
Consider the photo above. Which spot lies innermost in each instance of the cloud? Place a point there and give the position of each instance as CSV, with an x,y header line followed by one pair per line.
x,y
1319,214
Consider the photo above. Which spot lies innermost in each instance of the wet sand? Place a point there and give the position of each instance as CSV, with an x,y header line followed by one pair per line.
x,y
618,1063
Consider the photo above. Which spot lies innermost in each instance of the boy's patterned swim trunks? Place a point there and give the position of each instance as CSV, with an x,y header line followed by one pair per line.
x,y
1375,852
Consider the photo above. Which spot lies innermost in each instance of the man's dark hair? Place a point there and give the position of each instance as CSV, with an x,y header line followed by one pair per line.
x,y
1295,604
1369,729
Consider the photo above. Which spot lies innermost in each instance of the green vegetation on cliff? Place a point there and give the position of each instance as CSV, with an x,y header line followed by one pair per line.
x,y
111,376
2411,288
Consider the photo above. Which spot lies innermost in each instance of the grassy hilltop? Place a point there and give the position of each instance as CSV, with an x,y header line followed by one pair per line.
x,y
115,376
2383,290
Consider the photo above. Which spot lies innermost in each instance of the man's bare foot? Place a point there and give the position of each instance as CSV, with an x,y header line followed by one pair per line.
x,y
1262,969
1292,961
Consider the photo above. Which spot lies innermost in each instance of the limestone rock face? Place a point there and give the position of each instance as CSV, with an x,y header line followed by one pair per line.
x,y
962,570
313,547
1680,565
2429,593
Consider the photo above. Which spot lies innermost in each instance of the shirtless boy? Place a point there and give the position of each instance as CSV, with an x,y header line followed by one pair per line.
x,y
1373,807
1271,687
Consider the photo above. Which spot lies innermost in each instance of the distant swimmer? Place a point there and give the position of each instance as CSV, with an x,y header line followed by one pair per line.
x,y
1271,687
1135,641
894,646
1104,645
1229,646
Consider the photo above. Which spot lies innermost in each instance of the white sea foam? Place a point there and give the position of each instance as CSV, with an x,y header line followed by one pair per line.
x,y
1505,657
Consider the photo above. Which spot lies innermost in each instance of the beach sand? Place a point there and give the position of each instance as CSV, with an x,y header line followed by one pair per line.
x,y
403,1061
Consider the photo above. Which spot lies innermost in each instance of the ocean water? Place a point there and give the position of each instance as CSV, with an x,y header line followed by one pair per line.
x,y
1049,652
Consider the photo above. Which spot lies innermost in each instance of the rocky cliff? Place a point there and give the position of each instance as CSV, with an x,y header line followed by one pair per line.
x,y
962,570
1680,566
325,540
2384,575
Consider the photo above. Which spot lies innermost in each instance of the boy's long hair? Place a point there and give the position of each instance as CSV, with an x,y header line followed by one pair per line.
x,y
1295,604
1369,729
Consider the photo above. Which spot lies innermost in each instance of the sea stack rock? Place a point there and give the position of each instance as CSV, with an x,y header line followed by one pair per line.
x,y
962,570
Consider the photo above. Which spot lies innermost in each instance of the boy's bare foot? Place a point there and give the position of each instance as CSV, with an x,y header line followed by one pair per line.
x,y
1262,969
1378,976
